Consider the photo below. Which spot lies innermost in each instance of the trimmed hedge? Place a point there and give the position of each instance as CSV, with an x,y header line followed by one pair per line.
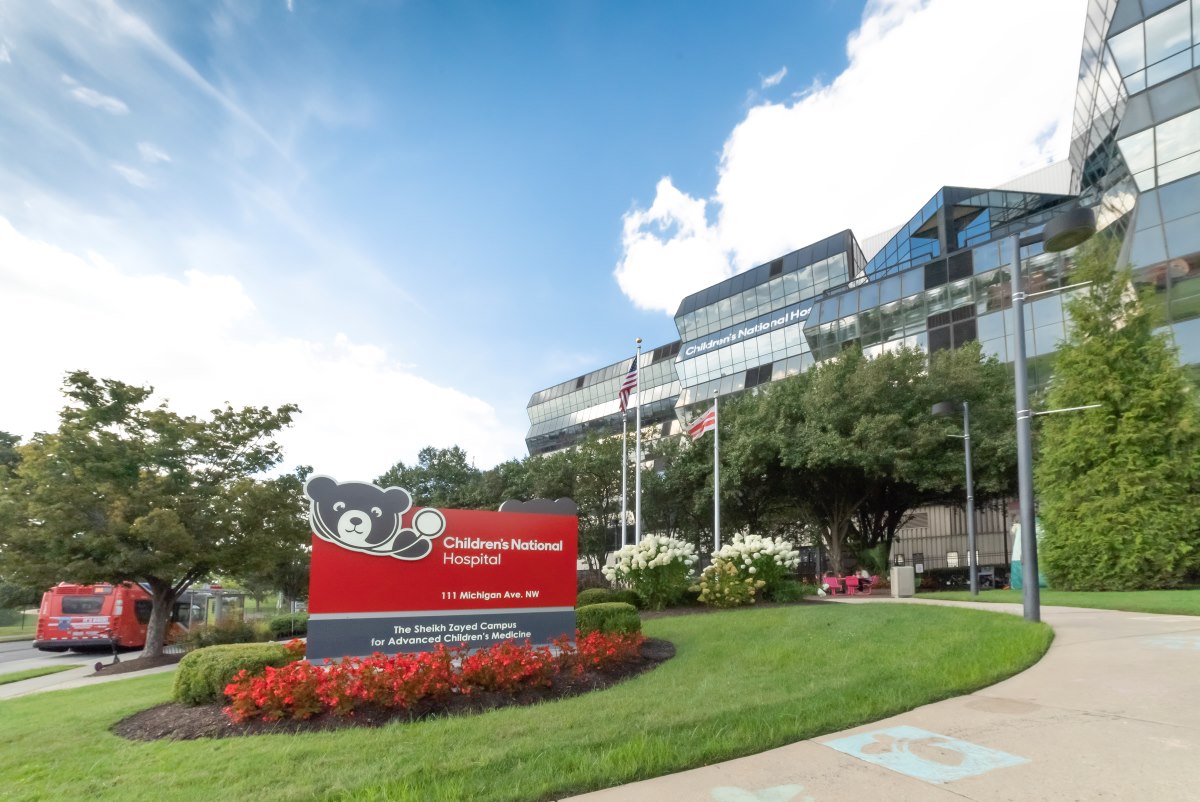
x,y
608,617
629,597
593,596
204,673
288,626
202,636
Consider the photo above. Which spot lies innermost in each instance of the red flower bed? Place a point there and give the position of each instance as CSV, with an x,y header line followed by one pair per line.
x,y
300,690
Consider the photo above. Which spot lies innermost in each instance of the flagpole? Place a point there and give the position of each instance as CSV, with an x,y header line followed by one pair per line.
x,y
637,468
716,476
624,465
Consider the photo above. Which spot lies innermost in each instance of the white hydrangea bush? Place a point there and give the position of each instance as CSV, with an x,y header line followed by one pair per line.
x,y
766,561
658,568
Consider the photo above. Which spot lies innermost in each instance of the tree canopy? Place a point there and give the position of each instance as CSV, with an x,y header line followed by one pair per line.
x,y
1118,485
124,491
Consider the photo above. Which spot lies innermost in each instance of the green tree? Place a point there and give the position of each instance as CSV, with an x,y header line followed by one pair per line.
x,y
127,492
1118,485
442,477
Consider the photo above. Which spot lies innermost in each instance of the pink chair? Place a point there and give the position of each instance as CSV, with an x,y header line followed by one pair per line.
x,y
851,585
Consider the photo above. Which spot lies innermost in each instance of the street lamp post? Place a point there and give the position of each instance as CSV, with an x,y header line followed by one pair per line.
x,y
945,408
1062,233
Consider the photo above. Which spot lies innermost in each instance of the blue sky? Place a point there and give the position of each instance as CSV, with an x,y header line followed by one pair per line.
x,y
407,217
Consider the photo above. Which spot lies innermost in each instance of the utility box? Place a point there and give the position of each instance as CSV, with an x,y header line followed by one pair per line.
x,y
903,582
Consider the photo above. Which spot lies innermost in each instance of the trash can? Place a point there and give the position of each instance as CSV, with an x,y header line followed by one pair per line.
x,y
903,581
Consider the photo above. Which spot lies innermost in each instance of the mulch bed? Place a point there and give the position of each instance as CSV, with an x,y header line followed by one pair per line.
x,y
182,722
137,664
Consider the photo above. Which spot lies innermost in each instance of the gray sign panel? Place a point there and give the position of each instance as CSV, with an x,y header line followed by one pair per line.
x,y
336,636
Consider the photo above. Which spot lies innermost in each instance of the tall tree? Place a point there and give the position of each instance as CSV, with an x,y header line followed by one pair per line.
x,y
442,477
1119,486
123,491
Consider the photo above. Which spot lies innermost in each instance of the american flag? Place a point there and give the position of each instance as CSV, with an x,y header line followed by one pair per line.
x,y
704,423
629,385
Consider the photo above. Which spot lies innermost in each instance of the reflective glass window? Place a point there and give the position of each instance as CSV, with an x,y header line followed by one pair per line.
x,y
1183,236
848,304
890,320
1138,150
986,257
1169,68
1148,248
1178,199
937,300
912,313
1168,33
960,293
1179,168
1147,210
1178,137
912,281
1128,50
889,289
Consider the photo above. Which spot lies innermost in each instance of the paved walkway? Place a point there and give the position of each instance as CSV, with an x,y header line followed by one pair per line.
x,y
73,677
1112,712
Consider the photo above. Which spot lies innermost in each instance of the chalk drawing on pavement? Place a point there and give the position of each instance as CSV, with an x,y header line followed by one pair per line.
x,y
780,793
1177,643
924,755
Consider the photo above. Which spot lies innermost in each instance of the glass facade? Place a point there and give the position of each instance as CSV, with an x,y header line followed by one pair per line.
x,y
944,279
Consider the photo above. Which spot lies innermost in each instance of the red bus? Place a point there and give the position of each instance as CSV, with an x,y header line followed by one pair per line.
x,y
93,616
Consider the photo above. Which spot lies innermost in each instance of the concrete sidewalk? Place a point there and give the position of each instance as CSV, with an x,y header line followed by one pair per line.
x,y
78,677
1112,712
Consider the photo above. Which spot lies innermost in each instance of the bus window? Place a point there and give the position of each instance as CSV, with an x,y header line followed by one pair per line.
x,y
141,609
82,605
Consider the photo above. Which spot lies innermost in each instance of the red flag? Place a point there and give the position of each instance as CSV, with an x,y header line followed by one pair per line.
x,y
629,385
704,423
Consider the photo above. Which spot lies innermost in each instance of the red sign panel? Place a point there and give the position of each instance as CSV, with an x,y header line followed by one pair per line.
x,y
388,577
484,560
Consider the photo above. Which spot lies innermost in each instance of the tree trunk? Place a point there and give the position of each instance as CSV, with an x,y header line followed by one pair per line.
x,y
163,595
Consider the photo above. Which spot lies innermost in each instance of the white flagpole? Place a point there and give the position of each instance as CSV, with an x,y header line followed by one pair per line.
x,y
716,478
624,464
637,469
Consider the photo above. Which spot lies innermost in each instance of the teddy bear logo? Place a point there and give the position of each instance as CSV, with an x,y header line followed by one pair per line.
x,y
364,517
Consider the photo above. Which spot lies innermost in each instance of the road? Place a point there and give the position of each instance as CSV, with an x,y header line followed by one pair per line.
x,y
19,655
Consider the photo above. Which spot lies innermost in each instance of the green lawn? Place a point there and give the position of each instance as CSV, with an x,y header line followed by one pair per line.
x,y
742,681
1178,602
30,673
20,631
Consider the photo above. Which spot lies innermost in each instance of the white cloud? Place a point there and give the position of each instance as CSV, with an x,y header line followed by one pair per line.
x,y
674,237
97,100
5,56
291,5
200,341
152,154
774,79
936,93
133,175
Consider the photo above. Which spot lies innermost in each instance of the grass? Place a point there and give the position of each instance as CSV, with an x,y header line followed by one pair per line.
x,y
30,673
19,631
1177,602
742,681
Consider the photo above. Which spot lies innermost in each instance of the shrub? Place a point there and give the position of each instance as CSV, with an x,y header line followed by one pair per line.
x,y
288,626
790,591
767,561
659,569
202,636
593,596
628,597
722,585
608,617
204,673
